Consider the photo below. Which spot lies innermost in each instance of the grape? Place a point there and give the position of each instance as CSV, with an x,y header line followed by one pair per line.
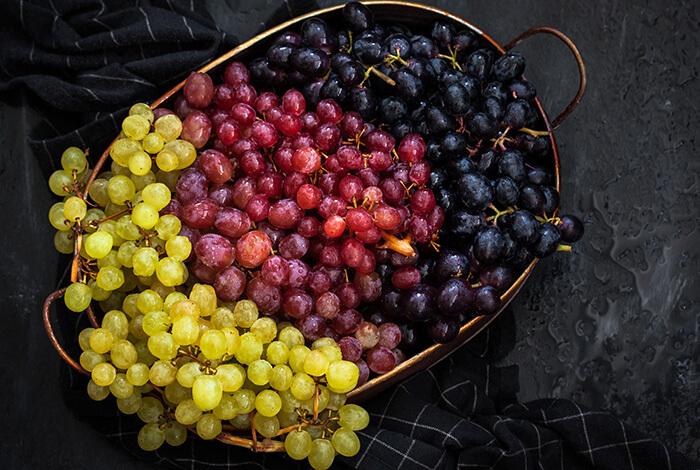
x,y
78,297
353,417
208,426
298,444
206,392
151,437
345,442
321,455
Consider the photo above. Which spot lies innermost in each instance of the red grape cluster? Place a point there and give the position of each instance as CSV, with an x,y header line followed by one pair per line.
x,y
291,207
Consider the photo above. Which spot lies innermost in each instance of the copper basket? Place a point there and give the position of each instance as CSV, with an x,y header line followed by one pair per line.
x,y
413,15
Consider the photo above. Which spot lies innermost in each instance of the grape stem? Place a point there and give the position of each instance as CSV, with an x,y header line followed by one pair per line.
x,y
402,246
267,445
533,132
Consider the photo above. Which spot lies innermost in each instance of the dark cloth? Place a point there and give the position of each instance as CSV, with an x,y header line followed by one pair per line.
x,y
82,63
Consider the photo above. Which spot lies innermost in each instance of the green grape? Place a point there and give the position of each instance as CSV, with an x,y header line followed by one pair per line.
x,y
167,161
241,421
281,378
259,372
97,392
342,376
127,229
123,354
323,397
316,432
324,341
336,400
250,349
58,218
162,373
130,305
171,298
142,109
170,272
277,353
176,393
114,301
131,404
98,244
268,403
160,289
121,170
233,340
101,340
116,322
73,159
92,216
169,127
145,260
151,437
137,374
136,328
207,392
125,254
287,419
140,163
84,338
151,409
187,412
316,363
98,293
144,215
98,191
140,182
185,330
245,312
145,355
153,143
110,226
213,344
163,346
244,400
303,386
136,127
175,434
353,417
265,329
188,373
121,150
298,444
112,259
89,359
157,195
291,337
63,242
103,374
120,189
205,296
121,387
208,427
345,442
333,353
155,322
169,178
297,357
267,426
221,318
184,307
110,278
74,208
289,402
130,281
321,455
226,409
231,376
185,151
77,297
148,301
61,182
178,247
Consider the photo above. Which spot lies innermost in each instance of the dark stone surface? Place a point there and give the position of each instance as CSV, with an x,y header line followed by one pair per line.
x,y
612,325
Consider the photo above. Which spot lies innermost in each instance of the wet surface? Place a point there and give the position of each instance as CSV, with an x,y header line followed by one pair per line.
x,y
612,325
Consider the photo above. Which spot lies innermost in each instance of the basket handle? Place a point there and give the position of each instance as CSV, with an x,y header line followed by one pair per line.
x,y
52,336
579,62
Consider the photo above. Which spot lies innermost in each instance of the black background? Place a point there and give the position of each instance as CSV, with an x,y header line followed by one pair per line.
x,y
613,325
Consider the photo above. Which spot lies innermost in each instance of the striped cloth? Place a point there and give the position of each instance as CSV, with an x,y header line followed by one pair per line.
x,y
83,62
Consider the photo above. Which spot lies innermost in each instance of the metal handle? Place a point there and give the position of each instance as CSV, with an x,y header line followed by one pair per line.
x,y
49,330
579,61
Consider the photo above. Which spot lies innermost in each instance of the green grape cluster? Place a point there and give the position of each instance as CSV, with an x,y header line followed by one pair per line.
x,y
167,348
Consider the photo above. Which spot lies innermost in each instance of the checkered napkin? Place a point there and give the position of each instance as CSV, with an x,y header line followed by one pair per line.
x,y
83,62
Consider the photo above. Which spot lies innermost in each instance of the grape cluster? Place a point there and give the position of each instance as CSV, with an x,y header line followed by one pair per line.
x,y
284,230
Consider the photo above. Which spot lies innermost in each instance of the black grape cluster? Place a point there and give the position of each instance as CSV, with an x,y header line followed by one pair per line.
x,y
491,171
